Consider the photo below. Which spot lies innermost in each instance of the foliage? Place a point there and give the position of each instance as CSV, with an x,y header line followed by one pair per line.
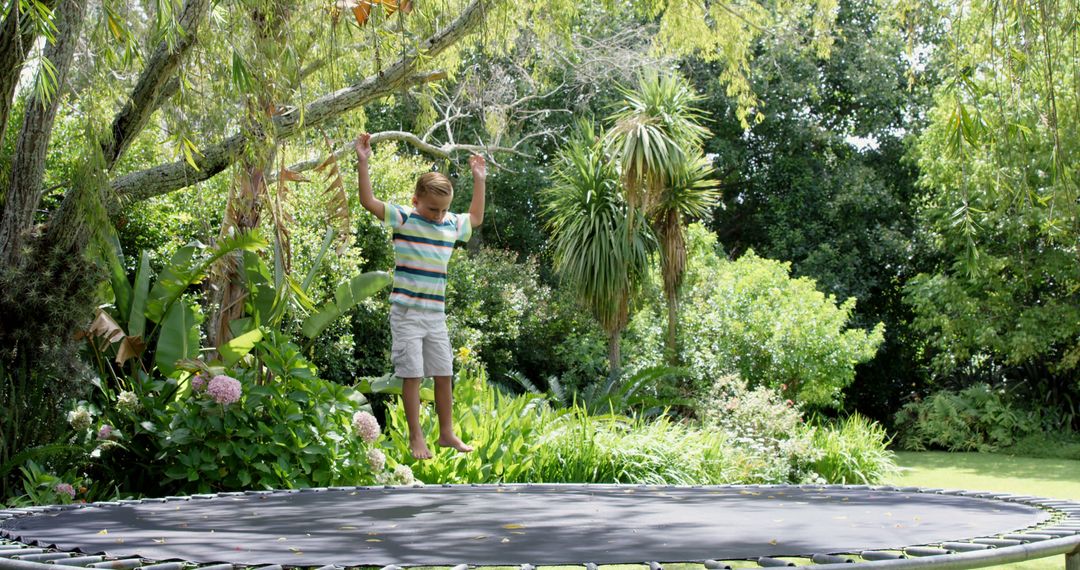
x,y
976,418
496,307
762,424
1002,218
752,319
854,452
822,180
524,438
503,430
601,243
41,487
297,431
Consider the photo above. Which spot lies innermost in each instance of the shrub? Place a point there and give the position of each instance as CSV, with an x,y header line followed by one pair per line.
x,y
976,418
273,426
854,452
749,317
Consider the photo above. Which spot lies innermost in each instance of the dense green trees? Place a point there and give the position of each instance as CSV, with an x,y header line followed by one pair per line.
x,y
1002,216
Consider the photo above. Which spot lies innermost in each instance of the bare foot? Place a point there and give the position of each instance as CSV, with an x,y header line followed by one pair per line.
x,y
454,442
420,449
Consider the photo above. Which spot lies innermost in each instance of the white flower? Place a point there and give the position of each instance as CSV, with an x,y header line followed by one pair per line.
x,y
403,475
376,460
79,418
127,401
366,426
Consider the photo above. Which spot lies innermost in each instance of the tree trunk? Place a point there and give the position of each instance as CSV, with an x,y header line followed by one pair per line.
x,y
28,165
614,355
17,34
671,344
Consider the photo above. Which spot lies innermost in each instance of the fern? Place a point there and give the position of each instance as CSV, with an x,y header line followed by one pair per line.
x,y
38,453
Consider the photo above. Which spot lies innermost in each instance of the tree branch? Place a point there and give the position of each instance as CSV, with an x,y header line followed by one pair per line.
x,y
147,95
28,165
443,151
166,178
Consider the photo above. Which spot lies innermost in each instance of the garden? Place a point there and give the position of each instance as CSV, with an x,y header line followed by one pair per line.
x,y
748,243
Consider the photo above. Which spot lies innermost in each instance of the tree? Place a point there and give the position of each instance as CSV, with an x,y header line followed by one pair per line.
x,y
657,139
601,243
1002,216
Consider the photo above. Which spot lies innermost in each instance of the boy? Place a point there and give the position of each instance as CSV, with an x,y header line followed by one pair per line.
x,y
424,238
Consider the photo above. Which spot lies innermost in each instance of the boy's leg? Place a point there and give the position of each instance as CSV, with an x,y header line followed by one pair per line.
x,y
444,406
410,396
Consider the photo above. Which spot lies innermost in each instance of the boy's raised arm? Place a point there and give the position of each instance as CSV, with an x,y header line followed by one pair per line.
x,y
479,174
367,197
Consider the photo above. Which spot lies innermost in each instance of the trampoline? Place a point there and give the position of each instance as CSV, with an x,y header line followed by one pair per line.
x,y
527,525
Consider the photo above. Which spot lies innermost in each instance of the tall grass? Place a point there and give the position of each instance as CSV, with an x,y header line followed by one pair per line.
x,y
854,452
522,439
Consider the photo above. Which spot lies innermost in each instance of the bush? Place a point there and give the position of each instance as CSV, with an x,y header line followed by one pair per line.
x,y
502,429
281,427
768,430
854,452
523,439
977,418
749,317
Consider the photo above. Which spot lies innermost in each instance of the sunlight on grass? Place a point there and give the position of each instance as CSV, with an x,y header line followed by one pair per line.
x,y
1055,478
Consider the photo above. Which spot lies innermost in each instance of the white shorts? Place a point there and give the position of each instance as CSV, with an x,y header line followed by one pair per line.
x,y
421,343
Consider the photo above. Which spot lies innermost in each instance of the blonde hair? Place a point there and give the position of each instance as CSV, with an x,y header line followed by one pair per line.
x,y
433,184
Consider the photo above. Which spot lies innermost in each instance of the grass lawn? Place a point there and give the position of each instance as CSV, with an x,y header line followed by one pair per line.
x,y
1056,478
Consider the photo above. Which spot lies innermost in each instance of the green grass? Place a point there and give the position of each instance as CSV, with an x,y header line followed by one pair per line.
x,y
1055,478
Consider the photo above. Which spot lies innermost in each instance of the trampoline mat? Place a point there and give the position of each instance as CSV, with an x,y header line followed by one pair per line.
x,y
536,524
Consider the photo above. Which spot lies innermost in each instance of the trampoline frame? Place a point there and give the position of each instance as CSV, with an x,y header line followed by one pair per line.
x,y
1059,535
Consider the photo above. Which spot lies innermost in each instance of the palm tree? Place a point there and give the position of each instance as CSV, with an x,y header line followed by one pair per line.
x,y
657,138
602,245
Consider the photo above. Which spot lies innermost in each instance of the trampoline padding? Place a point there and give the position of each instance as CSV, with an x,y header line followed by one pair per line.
x,y
548,524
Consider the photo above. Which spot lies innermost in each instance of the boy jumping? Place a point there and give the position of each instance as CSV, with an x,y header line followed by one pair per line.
x,y
424,238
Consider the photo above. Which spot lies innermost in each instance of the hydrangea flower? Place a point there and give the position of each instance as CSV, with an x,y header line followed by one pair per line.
x,y
198,383
105,433
366,426
65,489
224,389
404,475
376,460
127,401
79,418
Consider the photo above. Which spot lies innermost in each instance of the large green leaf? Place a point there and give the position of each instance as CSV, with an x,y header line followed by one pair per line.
x,y
137,320
390,384
179,338
186,269
118,276
232,351
261,294
348,294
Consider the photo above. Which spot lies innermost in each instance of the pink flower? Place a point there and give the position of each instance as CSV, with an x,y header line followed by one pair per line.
x,y
198,383
224,389
366,426
789,403
106,432
65,489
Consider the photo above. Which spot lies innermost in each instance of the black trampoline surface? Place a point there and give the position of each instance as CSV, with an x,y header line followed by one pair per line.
x,y
548,524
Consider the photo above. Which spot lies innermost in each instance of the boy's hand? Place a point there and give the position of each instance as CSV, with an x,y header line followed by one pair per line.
x,y
478,166
363,147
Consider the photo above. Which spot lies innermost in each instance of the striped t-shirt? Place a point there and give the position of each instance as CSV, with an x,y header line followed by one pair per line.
x,y
421,253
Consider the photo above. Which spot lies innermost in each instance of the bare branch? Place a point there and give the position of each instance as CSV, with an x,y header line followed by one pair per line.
x,y
444,151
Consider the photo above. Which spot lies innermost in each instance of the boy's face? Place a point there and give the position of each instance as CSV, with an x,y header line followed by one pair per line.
x,y
432,207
